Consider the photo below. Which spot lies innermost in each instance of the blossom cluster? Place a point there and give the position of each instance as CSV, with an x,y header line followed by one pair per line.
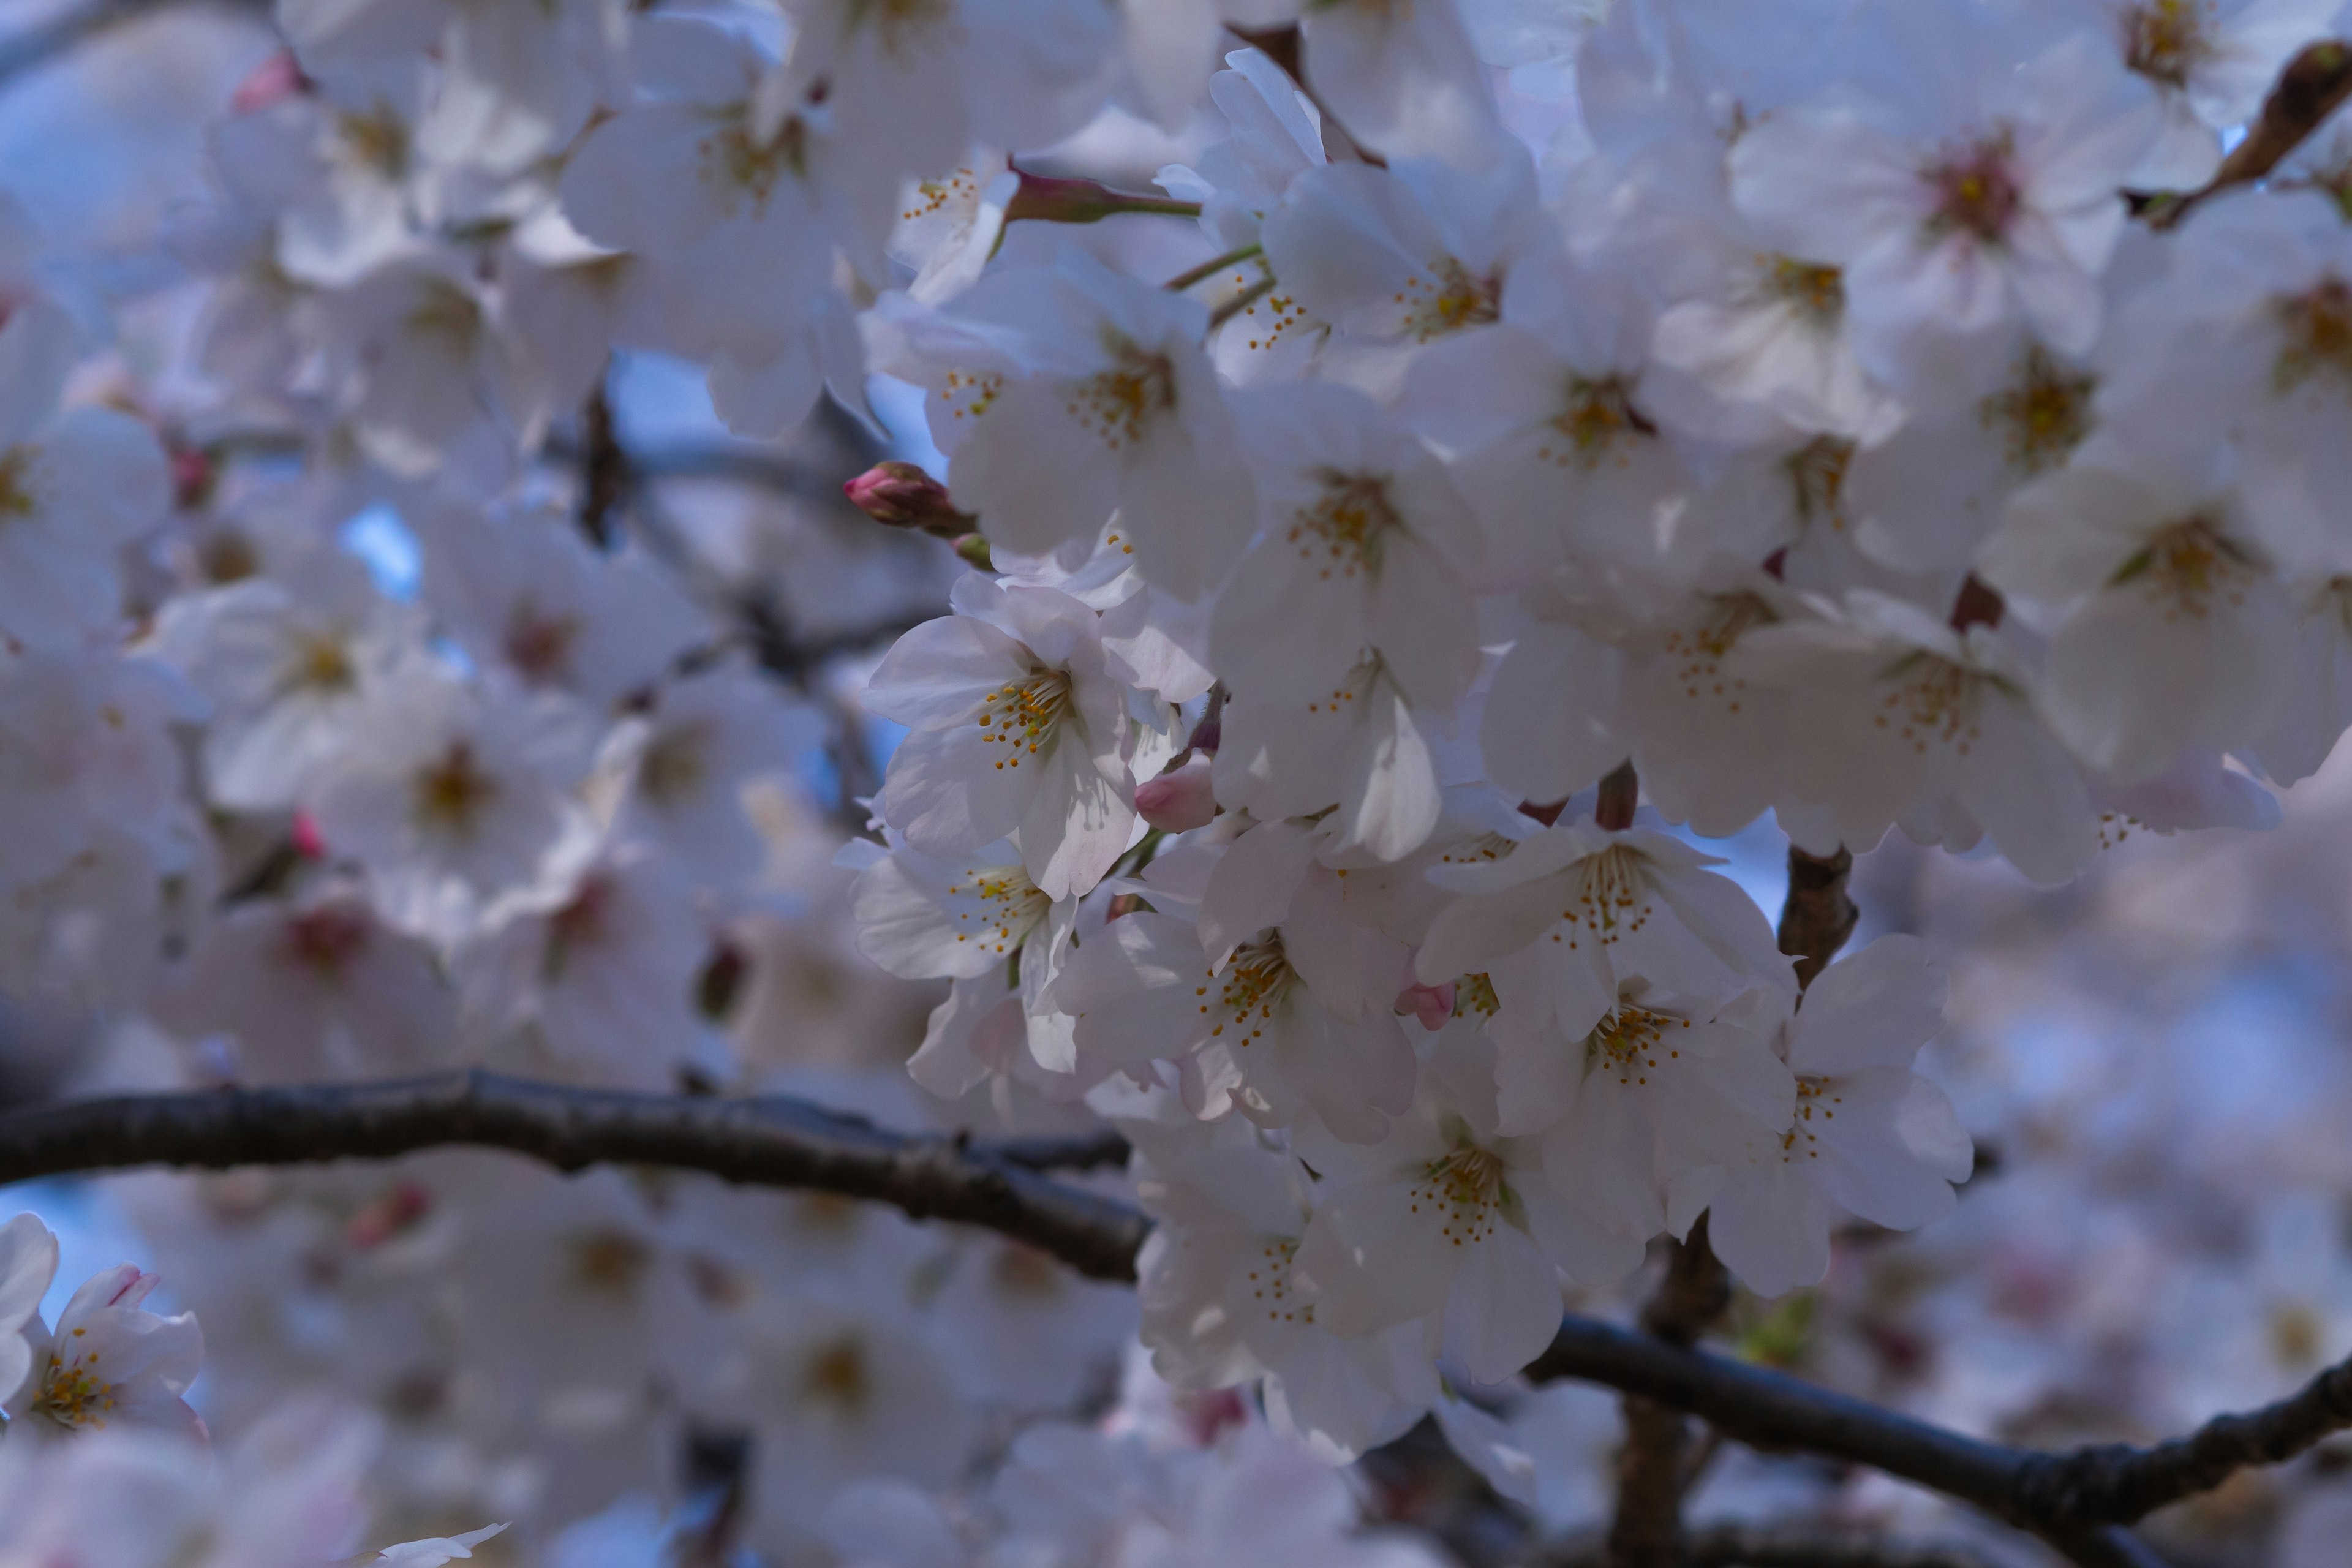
x,y
1511,442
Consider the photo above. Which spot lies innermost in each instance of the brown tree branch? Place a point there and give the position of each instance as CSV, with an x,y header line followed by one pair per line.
x,y
1783,1546
2311,87
2072,1499
773,1141
604,477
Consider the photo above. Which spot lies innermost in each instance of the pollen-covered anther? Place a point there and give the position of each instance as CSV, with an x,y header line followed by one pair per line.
x,y
1022,715
1252,985
1120,403
1974,187
1629,1040
1597,423
1446,298
1343,528
1466,1190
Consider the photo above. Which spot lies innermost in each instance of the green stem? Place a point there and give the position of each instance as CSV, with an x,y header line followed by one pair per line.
x,y
1212,266
1240,302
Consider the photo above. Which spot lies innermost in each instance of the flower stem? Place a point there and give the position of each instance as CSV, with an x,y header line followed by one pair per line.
x,y
1240,302
1212,266
1046,199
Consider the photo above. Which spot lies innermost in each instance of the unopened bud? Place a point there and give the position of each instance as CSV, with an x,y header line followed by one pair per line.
x,y
273,80
1432,1004
902,496
1178,801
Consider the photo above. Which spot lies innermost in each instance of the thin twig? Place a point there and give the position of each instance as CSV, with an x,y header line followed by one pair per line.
x,y
604,478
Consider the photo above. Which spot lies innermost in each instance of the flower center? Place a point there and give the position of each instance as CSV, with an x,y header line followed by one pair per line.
x,y
1697,652
1021,717
73,1393
1932,699
376,141
1814,1103
16,481
444,312
609,1262
1120,403
836,1374
1465,1188
1447,300
1344,527
2317,331
1815,292
1475,993
2042,415
1974,189
450,795
1609,895
1269,1283
1007,902
539,645
899,23
732,157
326,941
1628,1042
1598,422
933,197
321,663
1254,983
1817,473
2164,40
2186,567
674,763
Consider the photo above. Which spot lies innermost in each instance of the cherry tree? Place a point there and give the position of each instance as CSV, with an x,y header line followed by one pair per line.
x,y
923,784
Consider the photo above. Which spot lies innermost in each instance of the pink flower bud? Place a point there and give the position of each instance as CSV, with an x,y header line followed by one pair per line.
x,y
1178,801
902,496
1432,1004
273,80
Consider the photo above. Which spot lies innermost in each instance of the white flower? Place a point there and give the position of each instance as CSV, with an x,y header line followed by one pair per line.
x,y
1898,718
424,367
1544,421
1403,256
437,1551
1063,395
1274,1002
1988,195
683,769
28,1261
2170,630
312,986
599,972
1870,1137
1019,729
1446,1219
286,662
1402,77
521,589
86,753
1222,1303
835,1390
1357,743
457,799
1362,551
111,1361
74,489
2209,62
740,194
1277,135
1587,912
